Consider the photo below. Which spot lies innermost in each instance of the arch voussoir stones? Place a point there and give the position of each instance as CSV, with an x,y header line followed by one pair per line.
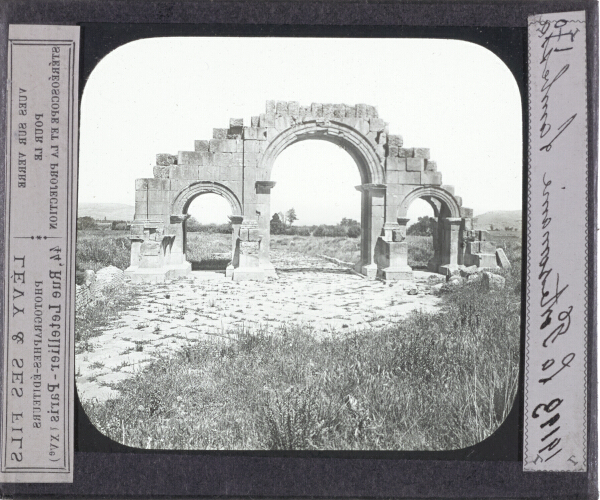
x,y
236,163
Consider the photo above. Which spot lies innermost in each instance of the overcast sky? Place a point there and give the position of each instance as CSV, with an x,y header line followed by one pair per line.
x,y
159,95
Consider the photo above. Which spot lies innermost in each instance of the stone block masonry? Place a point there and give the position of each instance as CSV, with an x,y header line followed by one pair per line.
x,y
219,133
201,146
236,163
415,165
166,160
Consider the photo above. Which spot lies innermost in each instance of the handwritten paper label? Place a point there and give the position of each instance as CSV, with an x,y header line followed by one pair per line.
x,y
555,413
41,181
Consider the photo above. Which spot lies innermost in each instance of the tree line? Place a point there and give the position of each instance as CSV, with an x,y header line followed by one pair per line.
x,y
89,223
281,223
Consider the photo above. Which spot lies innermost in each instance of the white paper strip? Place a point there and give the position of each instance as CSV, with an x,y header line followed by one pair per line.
x,y
555,434
41,191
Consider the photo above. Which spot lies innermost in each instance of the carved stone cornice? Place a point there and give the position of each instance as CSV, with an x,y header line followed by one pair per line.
x,y
376,189
179,218
235,219
264,187
453,221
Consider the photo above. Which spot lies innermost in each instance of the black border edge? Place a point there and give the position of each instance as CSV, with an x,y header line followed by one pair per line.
x,y
479,476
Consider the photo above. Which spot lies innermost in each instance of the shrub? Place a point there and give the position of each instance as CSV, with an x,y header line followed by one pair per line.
x,y
422,227
96,252
325,230
120,225
86,223
353,231
349,222
319,231
420,250
276,226
297,231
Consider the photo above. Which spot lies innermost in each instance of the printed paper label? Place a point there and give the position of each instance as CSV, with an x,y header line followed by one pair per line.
x,y
41,182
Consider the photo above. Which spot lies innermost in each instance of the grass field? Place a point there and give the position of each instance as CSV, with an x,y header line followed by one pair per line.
x,y
429,382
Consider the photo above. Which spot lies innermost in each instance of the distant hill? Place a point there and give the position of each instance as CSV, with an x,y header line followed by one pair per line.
x,y
110,211
499,219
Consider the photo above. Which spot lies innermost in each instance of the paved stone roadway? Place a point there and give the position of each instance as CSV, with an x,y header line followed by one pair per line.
x,y
310,291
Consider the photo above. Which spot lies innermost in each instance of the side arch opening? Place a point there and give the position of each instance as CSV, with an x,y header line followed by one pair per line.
x,y
440,230
207,232
208,216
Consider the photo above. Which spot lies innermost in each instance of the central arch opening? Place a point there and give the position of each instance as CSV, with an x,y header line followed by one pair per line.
x,y
315,208
207,232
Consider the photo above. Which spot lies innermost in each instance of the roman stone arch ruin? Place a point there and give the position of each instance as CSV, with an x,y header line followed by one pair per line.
x,y
237,162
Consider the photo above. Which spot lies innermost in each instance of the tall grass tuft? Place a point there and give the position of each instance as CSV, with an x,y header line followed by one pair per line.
x,y
295,419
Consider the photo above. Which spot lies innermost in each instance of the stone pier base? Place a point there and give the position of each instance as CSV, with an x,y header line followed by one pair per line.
x,y
369,271
158,275
395,273
249,274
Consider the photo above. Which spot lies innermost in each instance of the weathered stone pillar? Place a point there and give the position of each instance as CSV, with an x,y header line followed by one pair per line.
x,y
467,225
372,220
236,222
450,244
136,244
263,207
434,263
177,227
136,237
